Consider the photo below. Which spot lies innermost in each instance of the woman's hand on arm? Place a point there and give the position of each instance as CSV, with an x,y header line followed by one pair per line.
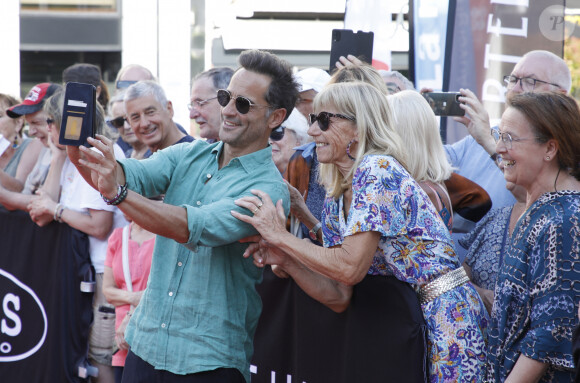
x,y
347,264
330,293
526,370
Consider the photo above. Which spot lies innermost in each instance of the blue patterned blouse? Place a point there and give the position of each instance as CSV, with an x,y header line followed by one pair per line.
x,y
538,289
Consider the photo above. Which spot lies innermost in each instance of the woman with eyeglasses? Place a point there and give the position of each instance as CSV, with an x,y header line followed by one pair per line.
x,y
377,221
118,122
292,133
537,294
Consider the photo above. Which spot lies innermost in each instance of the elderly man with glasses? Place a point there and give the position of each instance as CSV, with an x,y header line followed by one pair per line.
x,y
474,156
196,320
204,108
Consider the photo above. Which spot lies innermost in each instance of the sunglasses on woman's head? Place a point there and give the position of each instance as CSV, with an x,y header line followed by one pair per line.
x,y
243,104
277,134
118,122
323,119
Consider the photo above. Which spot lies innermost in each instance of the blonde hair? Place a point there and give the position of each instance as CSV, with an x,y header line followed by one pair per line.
x,y
375,131
417,125
360,72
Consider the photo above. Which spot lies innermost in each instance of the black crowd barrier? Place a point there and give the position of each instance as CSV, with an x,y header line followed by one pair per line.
x,y
44,316
299,340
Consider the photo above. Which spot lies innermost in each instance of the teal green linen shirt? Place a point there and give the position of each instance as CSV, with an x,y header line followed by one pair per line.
x,y
200,309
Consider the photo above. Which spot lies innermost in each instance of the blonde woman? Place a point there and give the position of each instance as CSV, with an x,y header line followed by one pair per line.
x,y
377,222
426,159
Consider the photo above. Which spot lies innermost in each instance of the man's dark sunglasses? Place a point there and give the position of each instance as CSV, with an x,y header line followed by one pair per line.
x,y
124,84
118,122
277,134
323,119
243,104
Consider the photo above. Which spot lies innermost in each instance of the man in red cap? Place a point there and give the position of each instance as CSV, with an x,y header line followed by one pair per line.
x,y
31,109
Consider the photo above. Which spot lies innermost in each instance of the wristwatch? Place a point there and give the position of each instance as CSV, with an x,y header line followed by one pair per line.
x,y
312,232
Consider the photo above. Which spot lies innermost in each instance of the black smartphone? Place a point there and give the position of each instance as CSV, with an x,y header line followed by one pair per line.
x,y
78,114
347,42
444,103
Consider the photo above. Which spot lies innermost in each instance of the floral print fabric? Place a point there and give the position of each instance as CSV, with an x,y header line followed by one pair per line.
x,y
415,247
537,290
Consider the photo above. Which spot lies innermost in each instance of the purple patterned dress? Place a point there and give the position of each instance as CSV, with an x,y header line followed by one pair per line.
x,y
416,248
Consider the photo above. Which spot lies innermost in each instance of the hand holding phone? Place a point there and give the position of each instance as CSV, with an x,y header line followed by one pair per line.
x,y
78,115
445,103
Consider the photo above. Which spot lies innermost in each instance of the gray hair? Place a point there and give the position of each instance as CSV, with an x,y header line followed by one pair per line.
x,y
558,72
131,66
146,88
386,74
220,76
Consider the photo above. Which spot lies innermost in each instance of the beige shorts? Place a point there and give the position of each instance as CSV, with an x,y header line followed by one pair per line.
x,y
102,333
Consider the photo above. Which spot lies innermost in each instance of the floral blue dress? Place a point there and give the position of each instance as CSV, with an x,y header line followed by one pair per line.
x,y
485,246
538,289
416,248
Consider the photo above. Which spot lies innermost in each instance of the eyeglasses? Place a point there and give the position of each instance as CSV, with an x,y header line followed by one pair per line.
x,y
117,123
243,104
124,84
199,103
506,138
528,84
49,121
277,134
323,119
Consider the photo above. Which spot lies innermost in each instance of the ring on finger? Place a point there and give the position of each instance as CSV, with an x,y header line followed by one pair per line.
x,y
260,205
255,210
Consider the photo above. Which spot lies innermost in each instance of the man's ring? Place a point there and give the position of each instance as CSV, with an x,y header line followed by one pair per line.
x,y
255,210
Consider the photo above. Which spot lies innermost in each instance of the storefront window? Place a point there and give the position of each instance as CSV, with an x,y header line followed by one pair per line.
x,y
69,5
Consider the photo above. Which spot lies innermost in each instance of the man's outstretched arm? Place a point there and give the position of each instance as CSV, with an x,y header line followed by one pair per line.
x,y
104,174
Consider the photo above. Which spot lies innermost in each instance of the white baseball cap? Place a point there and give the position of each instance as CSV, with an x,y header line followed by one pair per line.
x,y
312,78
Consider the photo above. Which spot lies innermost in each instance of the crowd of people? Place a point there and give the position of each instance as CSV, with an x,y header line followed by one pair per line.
x,y
328,179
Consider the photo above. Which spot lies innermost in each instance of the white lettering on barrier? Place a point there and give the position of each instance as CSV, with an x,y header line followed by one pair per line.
x,y
254,370
5,347
4,327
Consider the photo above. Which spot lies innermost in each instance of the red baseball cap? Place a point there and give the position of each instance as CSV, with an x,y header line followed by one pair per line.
x,y
34,100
